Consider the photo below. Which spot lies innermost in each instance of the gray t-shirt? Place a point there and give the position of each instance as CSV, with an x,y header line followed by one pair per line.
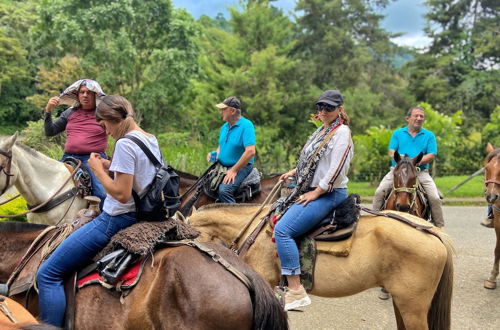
x,y
129,158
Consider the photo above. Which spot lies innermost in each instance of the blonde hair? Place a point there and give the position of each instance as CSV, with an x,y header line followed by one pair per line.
x,y
343,115
116,109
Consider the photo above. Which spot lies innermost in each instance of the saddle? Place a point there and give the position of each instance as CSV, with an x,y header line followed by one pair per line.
x,y
82,176
248,188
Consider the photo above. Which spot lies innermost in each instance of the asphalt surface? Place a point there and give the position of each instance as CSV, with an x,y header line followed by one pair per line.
x,y
473,307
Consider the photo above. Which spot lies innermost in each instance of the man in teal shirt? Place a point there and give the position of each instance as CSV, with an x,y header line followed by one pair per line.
x,y
410,141
236,148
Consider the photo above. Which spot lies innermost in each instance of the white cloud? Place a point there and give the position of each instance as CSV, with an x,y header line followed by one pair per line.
x,y
413,40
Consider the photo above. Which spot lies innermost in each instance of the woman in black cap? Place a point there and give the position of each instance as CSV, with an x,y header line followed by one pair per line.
x,y
321,176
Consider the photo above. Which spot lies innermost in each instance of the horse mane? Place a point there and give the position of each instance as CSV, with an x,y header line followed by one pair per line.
x,y
20,227
30,151
491,155
185,174
405,160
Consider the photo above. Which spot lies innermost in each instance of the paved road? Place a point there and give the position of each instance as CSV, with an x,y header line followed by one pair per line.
x,y
473,306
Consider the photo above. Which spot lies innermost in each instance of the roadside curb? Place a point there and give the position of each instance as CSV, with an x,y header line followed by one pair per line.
x,y
466,201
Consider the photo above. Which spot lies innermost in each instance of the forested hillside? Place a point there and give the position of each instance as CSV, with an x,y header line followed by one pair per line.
x,y
175,68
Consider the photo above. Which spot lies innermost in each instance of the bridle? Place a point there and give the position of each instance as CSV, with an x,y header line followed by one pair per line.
x,y
6,169
412,191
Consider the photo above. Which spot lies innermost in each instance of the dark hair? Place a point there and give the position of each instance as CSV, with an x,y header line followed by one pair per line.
x,y
116,109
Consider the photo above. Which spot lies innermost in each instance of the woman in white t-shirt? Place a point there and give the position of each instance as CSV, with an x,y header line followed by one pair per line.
x,y
321,175
131,169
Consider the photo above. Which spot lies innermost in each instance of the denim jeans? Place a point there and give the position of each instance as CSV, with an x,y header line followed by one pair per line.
x,y
74,253
227,191
299,220
97,188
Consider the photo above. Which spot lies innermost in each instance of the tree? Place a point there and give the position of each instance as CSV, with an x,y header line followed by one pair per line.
x,y
460,68
143,50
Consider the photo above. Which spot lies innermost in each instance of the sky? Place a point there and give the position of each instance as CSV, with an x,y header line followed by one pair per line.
x,y
404,16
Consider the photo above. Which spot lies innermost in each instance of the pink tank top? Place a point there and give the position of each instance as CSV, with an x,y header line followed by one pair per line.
x,y
85,135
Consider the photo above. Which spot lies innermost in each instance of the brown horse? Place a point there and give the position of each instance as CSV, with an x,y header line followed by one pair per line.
x,y
192,193
492,194
13,316
404,194
414,266
180,288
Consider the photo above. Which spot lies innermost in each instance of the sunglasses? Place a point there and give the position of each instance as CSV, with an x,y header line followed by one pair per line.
x,y
324,106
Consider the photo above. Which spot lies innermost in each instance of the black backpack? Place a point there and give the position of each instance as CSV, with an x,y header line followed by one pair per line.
x,y
162,198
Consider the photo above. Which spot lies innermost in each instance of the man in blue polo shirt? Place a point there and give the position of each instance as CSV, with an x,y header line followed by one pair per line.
x,y
410,141
236,148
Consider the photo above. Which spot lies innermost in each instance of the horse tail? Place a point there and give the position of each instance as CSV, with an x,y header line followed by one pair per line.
x,y
268,313
439,315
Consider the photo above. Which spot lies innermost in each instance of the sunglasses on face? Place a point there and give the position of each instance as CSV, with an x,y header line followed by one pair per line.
x,y
324,106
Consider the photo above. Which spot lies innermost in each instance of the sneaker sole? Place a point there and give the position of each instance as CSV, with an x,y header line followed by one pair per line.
x,y
298,303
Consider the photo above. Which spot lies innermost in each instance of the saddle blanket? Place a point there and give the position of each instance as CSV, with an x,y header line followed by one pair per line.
x,y
127,281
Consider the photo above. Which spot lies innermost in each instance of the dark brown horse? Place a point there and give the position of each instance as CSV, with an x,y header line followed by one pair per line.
x,y
404,195
192,193
180,288
492,195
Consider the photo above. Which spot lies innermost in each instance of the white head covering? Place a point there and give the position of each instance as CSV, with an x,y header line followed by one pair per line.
x,y
70,94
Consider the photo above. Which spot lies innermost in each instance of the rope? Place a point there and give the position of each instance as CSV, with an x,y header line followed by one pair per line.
x,y
269,197
48,200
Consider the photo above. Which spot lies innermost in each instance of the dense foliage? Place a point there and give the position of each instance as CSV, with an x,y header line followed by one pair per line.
x,y
175,68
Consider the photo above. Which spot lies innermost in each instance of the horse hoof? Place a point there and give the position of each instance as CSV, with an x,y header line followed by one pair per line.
x,y
490,284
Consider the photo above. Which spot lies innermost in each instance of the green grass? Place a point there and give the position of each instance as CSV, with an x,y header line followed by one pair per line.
x,y
472,188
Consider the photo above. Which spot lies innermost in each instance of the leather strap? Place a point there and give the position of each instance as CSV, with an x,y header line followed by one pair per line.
x,y
427,229
215,257
56,201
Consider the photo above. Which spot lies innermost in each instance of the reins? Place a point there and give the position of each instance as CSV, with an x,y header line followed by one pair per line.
x,y
6,169
49,199
410,190
251,238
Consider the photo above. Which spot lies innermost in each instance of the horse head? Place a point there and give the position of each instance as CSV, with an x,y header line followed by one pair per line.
x,y
405,181
6,174
492,174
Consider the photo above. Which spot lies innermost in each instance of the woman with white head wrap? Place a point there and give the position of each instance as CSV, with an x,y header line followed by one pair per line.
x,y
84,134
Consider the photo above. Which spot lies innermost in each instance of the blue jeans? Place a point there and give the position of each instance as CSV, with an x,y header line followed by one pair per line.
x,y
97,188
299,220
74,253
227,191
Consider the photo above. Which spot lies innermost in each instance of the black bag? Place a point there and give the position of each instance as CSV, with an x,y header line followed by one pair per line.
x,y
162,198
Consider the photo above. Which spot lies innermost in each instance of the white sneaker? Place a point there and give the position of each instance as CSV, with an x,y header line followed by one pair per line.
x,y
296,298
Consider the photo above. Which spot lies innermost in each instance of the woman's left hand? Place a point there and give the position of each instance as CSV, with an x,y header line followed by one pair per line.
x,y
309,197
95,162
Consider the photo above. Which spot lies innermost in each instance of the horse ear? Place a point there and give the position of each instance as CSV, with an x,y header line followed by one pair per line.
x,y
417,159
397,156
10,141
489,148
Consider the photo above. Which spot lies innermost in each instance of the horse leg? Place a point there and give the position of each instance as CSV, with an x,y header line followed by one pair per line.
x,y
491,282
399,319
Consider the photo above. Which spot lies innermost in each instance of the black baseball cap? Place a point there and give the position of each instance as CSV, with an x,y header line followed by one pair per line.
x,y
231,101
331,97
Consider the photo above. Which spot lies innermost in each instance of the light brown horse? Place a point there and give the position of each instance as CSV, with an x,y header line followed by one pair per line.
x,y
492,195
404,195
13,316
180,288
192,193
414,266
